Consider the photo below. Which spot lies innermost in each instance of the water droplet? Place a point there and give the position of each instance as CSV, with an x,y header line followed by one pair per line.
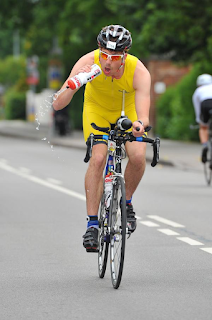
x,y
48,102
58,93
44,139
55,96
37,128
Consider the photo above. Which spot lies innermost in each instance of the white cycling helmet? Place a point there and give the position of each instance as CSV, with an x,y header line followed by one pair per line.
x,y
204,79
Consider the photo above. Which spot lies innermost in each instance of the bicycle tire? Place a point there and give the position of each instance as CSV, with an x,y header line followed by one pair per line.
x,y
208,166
103,239
117,231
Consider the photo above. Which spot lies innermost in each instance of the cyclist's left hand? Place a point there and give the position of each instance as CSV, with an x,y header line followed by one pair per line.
x,y
140,132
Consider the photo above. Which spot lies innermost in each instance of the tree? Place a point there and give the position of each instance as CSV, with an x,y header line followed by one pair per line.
x,y
14,15
182,28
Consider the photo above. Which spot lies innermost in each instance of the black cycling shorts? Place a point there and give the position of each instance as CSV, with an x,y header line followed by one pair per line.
x,y
206,106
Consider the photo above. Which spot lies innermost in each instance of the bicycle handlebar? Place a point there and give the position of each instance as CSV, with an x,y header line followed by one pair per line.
x,y
102,129
155,144
124,137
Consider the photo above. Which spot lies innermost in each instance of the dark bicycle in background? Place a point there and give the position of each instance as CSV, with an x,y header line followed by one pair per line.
x,y
208,164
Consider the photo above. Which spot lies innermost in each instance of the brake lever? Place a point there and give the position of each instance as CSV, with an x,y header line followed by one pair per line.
x,y
89,144
156,147
103,129
147,129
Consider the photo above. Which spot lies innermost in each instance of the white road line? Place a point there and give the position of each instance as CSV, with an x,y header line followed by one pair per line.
x,y
42,182
139,218
166,221
168,232
190,241
209,250
3,160
149,223
25,170
54,181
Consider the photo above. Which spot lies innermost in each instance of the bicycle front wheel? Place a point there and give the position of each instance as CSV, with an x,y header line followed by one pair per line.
x,y
208,166
103,239
117,231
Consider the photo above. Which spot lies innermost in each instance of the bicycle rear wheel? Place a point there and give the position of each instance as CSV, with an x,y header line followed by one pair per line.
x,y
117,231
208,166
104,239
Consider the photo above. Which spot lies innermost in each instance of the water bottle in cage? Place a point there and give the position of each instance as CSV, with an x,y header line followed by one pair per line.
x,y
109,181
111,146
108,189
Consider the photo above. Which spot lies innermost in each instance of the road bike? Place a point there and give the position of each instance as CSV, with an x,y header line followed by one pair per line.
x,y
208,163
113,217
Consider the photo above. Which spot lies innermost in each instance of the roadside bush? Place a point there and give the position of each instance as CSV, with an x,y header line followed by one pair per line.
x,y
13,72
175,110
13,78
15,105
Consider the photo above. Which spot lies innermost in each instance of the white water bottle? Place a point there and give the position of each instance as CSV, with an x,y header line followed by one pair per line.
x,y
108,189
83,77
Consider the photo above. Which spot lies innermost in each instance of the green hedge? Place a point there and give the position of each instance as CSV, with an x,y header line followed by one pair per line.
x,y
15,105
174,109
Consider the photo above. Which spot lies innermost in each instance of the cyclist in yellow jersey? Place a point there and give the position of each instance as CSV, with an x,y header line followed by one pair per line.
x,y
102,105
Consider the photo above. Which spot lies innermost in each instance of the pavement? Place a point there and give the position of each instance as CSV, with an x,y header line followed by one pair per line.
x,y
179,154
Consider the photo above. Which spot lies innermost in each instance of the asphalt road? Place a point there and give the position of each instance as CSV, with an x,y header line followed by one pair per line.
x,y
45,272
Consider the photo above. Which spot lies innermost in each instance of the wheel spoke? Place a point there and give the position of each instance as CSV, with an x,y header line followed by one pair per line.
x,y
103,240
208,167
118,232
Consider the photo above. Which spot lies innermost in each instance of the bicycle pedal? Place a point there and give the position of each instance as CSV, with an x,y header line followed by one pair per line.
x,y
129,234
90,249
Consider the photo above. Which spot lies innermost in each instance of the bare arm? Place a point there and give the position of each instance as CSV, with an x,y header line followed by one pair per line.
x,y
196,104
82,65
141,83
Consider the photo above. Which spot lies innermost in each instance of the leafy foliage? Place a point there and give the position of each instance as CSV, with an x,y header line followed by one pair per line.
x,y
13,72
182,28
178,30
15,102
175,109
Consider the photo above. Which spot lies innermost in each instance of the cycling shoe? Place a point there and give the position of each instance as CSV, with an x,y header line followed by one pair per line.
x,y
90,240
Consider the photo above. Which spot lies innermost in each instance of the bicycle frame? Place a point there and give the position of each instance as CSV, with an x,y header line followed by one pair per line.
x,y
112,213
208,164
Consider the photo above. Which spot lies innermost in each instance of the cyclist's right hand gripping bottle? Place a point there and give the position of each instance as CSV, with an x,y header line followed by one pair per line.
x,y
83,77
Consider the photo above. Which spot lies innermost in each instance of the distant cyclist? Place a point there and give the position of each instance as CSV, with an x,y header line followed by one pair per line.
x,y
202,101
102,105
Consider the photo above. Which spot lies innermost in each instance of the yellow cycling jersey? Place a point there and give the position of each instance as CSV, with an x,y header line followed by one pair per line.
x,y
103,97
106,92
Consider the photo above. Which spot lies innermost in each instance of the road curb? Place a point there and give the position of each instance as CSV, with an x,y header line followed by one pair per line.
x,y
67,144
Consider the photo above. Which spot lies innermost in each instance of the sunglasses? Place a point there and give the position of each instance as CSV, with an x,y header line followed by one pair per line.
x,y
112,57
